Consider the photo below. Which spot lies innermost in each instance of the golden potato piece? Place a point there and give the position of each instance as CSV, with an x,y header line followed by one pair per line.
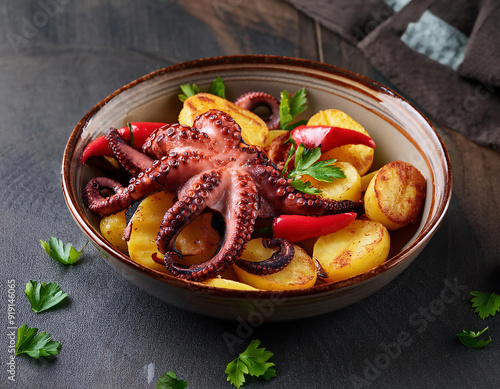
x,y
348,188
395,196
228,284
353,250
272,135
253,129
360,156
365,180
298,274
197,241
112,227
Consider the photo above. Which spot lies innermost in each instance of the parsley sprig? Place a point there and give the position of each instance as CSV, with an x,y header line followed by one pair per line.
x,y
291,107
218,88
307,163
486,304
471,338
35,345
253,361
60,252
43,296
170,381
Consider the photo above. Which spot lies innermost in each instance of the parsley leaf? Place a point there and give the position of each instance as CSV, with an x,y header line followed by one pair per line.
x,y
218,88
188,90
306,163
486,304
304,187
35,345
470,338
253,361
292,107
170,381
43,296
60,252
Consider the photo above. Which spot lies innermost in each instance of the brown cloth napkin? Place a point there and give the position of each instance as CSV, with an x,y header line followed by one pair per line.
x,y
442,54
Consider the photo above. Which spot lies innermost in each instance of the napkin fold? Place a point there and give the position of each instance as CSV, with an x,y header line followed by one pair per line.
x,y
444,55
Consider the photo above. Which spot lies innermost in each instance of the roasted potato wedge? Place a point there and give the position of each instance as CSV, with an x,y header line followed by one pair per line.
x,y
353,250
197,242
348,188
360,156
112,227
365,180
228,284
395,196
300,272
253,129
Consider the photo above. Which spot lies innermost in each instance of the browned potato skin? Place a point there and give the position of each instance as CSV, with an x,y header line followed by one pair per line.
x,y
395,196
300,273
253,129
353,250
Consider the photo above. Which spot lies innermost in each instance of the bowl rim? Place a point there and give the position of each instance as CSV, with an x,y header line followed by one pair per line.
x,y
422,238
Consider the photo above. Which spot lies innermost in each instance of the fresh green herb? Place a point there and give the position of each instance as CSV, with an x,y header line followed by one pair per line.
x,y
253,361
486,304
170,381
470,338
307,163
218,88
43,296
292,107
60,252
35,345
188,90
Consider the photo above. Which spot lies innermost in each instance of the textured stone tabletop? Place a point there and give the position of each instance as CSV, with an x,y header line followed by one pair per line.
x,y
57,60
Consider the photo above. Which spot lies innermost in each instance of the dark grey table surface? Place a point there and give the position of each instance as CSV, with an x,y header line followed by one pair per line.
x,y
58,58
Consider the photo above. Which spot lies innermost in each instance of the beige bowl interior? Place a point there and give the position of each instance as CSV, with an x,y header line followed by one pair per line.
x,y
400,131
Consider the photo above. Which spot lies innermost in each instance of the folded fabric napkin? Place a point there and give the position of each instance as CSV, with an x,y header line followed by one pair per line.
x,y
442,54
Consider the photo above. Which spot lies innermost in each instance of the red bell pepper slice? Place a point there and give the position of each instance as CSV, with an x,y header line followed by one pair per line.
x,y
295,228
329,137
138,131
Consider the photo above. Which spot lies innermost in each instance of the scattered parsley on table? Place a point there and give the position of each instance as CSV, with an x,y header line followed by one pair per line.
x,y
471,338
253,361
35,345
43,296
486,304
170,381
60,252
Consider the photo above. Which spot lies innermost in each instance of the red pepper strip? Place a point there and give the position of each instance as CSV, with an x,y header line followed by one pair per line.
x,y
329,137
295,228
140,130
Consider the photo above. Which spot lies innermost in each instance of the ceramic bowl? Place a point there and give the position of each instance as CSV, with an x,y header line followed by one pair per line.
x,y
399,129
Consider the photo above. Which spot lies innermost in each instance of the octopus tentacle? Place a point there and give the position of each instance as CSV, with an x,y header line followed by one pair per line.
x,y
186,209
131,159
168,172
275,263
240,218
252,100
105,205
278,197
